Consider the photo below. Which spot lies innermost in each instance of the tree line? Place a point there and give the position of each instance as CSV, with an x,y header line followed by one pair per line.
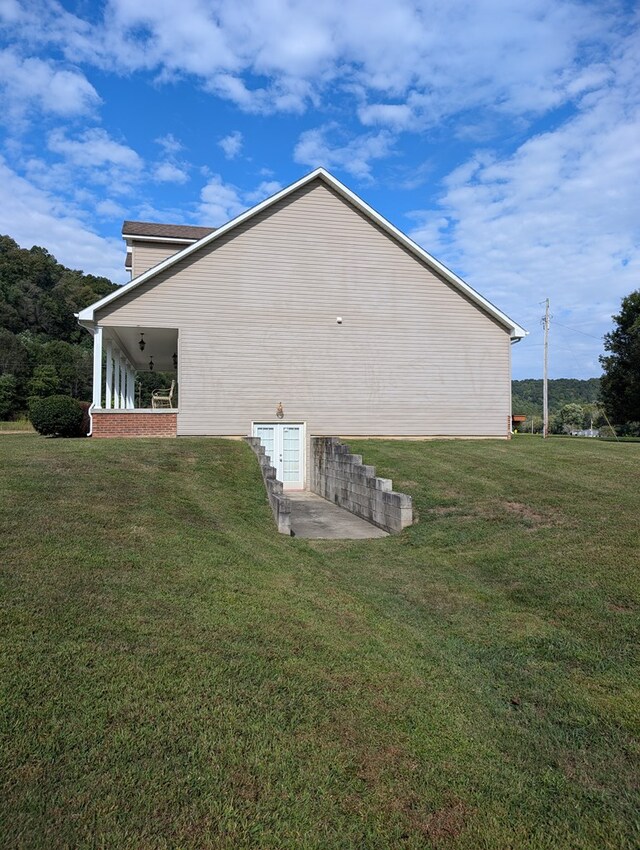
x,y
574,404
43,350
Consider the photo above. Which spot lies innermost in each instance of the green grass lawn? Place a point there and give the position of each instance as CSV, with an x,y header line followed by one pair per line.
x,y
17,426
175,674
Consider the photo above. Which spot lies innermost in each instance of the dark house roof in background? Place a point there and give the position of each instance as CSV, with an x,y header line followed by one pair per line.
x,y
166,231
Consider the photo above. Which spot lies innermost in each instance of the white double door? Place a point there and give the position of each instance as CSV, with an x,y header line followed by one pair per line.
x,y
284,445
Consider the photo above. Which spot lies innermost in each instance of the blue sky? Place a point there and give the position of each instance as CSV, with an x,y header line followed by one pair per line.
x,y
503,136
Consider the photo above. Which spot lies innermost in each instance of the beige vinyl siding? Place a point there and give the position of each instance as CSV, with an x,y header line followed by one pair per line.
x,y
256,312
148,254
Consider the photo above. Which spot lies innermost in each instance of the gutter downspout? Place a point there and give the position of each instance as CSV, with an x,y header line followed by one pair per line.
x,y
513,341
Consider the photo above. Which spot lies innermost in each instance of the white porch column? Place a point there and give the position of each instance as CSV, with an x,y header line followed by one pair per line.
x,y
127,384
122,380
116,378
97,368
109,376
131,388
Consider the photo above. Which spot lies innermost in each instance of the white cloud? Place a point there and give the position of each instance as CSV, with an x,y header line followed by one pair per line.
x,y
231,144
284,95
557,218
264,190
101,160
354,155
93,148
414,64
169,144
220,201
396,115
9,11
28,84
110,209
34,217
168,172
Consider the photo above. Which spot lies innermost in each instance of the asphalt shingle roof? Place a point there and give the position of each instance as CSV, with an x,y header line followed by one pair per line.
x,y
166,231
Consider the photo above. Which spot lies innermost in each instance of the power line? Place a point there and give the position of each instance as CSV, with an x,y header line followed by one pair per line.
x,y
575,330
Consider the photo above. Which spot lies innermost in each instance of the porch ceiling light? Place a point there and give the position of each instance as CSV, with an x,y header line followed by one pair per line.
x,y
142,343
151,364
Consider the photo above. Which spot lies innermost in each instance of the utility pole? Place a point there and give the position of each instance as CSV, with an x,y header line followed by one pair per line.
x,y
545,381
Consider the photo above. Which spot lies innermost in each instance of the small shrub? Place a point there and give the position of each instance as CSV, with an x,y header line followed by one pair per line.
x,y
608,431
85,424
56,416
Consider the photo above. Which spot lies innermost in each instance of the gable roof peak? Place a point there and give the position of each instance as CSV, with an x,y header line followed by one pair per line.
x,y
516,331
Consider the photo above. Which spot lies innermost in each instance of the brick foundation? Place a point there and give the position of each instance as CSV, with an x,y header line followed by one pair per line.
x,y
134,423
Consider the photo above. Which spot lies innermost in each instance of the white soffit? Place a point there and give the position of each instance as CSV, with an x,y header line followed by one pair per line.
x,y
516,331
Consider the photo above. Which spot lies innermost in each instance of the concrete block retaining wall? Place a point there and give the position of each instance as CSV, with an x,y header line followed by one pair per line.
x,y
280,504
342,478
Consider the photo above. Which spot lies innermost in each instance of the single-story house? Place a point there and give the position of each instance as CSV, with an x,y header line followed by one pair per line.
x,y
309,314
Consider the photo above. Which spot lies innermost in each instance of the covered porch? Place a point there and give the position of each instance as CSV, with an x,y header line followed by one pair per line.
x,y
120,355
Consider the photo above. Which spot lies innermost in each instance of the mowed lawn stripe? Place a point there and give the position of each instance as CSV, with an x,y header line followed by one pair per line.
x,y
177,674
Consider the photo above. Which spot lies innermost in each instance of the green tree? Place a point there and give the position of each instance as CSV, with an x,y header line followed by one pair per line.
x,y
527,394
620,383
45,382
38,299
8,395
14,355
531,425
568,418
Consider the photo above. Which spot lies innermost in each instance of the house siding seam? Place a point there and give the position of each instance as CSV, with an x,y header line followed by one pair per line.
x,y
128,424
256,312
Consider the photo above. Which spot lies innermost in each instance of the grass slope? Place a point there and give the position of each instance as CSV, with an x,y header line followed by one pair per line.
x,y
175,674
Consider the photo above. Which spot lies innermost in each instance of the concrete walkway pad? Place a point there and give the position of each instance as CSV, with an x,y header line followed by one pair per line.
x,y
313,517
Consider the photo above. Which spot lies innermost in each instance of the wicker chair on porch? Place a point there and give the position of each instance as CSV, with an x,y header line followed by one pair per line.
x,y
163,398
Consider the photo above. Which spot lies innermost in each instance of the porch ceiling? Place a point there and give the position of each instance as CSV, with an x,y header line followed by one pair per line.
x,y
161,344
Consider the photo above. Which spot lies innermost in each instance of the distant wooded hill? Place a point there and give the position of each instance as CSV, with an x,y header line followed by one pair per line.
x,y
527,394
42,349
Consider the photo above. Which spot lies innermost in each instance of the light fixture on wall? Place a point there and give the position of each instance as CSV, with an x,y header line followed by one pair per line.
x,y
280,410
175,360
141,342
151,364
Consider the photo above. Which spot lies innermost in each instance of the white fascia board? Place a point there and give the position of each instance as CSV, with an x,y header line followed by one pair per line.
x,y
177,239
516,332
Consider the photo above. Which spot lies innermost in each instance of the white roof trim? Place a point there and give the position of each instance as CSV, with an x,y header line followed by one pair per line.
x,y
516,331
183,239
